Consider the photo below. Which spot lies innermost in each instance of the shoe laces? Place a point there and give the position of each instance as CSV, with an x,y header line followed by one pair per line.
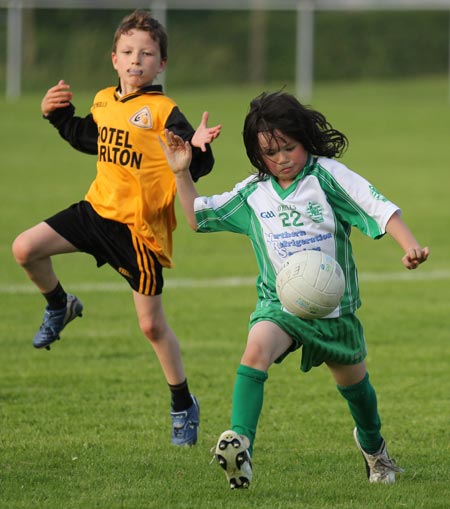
x,y
213,452
384,464
50,319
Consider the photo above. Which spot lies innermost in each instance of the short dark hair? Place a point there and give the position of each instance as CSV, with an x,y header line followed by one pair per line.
x,y
142,19
283,112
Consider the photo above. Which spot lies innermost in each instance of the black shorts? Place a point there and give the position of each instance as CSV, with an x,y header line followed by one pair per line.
x,y
110,242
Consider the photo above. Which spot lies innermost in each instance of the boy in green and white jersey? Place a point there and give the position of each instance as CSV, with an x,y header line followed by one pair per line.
x,y
301,198
316,211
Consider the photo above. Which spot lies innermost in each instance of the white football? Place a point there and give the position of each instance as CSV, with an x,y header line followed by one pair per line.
x,y
310,284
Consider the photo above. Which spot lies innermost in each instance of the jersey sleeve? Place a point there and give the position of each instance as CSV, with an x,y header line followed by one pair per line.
x,y
202,162
356,201
81,133
228,211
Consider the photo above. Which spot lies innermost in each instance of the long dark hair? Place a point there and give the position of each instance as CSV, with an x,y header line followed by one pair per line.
x,y
283,112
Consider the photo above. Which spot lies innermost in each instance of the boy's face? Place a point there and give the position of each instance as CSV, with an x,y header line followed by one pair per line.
x,y
137,60
284,157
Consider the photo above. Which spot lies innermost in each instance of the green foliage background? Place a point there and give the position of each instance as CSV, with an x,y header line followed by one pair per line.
x,y
212,47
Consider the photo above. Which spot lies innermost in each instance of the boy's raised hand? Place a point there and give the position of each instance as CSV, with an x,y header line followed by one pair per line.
x,y
56,97
205,134
177,151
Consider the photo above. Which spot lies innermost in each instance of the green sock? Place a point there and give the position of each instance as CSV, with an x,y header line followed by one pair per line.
x,y
362,402
248,395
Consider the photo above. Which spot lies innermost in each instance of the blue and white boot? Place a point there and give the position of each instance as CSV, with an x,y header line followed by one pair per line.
x,y
55,320
185,424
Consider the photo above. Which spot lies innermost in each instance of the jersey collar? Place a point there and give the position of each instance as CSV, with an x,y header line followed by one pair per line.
x,y
149,89
283,193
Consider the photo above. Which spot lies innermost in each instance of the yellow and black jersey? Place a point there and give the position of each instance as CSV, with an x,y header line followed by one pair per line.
x,y
134,184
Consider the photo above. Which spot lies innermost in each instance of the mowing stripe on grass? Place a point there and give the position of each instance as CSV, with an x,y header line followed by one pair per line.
x,y
228,282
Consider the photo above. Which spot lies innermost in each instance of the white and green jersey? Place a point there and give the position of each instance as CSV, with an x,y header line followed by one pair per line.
x,y
317,211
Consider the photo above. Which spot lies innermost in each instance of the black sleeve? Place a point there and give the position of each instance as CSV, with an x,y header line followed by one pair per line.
x,y
202,162
81,133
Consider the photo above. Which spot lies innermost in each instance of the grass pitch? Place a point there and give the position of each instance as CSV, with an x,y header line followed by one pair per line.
x,y
87,424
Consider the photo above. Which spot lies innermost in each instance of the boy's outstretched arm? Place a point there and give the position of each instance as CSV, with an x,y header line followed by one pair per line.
x,y
414,253
205,134
56,107
178,154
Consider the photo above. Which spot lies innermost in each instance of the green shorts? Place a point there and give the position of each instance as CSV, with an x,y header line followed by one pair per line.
x,y
339,340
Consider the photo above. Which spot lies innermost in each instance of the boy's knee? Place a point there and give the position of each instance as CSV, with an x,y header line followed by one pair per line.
x,y
21,249
255,355
151,329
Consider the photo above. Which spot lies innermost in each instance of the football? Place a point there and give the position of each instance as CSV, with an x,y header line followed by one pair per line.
x,y
310,284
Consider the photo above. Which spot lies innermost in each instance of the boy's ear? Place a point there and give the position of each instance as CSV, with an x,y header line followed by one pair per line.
x,y
114,60
162,65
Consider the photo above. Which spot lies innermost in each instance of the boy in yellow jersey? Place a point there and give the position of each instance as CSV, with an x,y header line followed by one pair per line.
x,y
127,216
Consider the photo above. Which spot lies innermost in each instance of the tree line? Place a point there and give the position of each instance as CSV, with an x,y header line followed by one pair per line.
x,y
234,47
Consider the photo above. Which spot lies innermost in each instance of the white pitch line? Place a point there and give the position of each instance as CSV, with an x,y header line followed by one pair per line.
x,y
406,275
229,282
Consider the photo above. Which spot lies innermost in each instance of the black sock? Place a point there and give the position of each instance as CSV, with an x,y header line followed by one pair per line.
x,y
57,298
181,397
